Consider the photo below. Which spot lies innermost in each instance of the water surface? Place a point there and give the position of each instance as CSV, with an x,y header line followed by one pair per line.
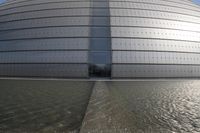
x,y
159,106
47,106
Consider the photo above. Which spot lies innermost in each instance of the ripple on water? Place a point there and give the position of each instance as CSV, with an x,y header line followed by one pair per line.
x,y
163,106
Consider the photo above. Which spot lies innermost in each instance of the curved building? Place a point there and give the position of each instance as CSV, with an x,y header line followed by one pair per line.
x,y
111,38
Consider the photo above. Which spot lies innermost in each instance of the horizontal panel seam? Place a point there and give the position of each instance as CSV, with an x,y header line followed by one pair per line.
x,y
194,6
100,8
155,51
45,63
77,16
161,64
46,50
98,37
102,2
93,26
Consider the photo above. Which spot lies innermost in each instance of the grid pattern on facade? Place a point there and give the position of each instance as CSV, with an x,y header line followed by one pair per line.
x,y
40,38
155,38
60,38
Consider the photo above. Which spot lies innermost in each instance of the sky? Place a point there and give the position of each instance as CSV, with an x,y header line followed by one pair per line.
x,y
197,1
1,1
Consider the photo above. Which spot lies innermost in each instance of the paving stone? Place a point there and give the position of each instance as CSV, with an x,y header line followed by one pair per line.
x,y
104,114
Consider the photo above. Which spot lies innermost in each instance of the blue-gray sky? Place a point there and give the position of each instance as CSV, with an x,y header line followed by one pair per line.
x,y
197,1
1,1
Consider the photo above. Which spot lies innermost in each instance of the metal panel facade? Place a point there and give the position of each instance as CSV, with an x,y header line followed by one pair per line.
x,y
136,38
155,38
44,38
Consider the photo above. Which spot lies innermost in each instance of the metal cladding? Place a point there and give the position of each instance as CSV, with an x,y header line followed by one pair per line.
x,y
136,38
44,38
155,38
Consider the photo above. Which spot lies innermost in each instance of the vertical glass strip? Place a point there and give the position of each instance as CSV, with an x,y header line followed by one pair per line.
x,y
100,42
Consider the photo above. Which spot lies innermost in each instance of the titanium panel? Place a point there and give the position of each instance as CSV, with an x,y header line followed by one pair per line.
x,y
153,71
45,13
128,32
44,70
165,2
137,57
154,23
59,38
154,14
46,6
18,4
155,45
187,5
45,44
45,22
44,57
24,3
149,6
54,32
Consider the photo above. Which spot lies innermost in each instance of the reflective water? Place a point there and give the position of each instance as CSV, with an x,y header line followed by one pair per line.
x,y
42,106
160,106
118,107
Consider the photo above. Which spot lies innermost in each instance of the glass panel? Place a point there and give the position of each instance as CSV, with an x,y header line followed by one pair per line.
x,y
100,58
100,43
